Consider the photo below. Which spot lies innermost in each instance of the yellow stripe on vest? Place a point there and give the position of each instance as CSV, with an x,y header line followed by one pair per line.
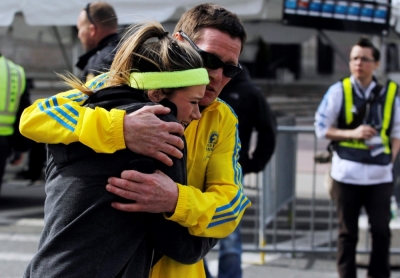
x,y
348,100
387,114
3,83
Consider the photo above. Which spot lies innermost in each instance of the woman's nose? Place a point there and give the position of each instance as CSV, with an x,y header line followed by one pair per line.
x,y
196,115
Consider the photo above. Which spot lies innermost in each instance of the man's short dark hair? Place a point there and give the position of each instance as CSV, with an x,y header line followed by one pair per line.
x,y
365,42
103,15
213,16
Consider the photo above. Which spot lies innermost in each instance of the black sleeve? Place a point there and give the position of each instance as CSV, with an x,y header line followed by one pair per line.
x,y
265,124
174,241
21,143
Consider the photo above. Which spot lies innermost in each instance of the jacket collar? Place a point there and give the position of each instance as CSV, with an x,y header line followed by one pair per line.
x,y
109,40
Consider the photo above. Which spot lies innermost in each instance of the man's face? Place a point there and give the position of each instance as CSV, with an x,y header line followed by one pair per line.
x,y
224,47
85,31
362,63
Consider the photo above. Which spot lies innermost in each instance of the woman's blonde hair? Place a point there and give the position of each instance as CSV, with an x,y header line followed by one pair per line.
x,y
145,47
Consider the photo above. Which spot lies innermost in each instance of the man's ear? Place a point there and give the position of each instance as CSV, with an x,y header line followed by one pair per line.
x,y
377,64
92,30
155,95
178,37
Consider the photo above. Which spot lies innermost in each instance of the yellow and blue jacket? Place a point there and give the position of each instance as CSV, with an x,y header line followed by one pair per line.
x,y
213,202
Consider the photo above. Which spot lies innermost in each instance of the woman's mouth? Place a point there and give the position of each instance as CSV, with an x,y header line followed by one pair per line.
x,y
184,124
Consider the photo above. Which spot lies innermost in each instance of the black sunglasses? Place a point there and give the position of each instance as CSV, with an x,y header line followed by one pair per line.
x,y
213,62
87,9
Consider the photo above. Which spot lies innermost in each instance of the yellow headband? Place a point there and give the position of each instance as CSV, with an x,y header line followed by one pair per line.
x,y
169,79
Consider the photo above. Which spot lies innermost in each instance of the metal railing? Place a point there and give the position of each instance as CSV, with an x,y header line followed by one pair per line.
x,y
277,203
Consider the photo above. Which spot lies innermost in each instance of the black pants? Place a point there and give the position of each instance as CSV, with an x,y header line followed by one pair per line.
x,y
5,152
37,159
376,199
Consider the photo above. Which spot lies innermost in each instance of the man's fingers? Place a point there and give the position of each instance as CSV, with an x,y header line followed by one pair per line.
x,y
157,109
174,140
171,150
128,177
146,134
126,194
163,158
126,207
175,128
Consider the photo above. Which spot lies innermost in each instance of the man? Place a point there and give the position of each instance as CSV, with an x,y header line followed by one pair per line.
x,y
14,98
97,30
212,203
254,113
362,118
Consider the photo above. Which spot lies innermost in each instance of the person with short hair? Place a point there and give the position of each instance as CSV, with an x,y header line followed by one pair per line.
x,y
212,202
98,32
362,118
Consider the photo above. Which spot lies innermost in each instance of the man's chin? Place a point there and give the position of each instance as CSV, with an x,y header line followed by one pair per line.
x,y
207,99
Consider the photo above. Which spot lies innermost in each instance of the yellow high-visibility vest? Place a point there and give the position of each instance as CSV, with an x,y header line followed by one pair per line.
x,y
12,85
348,103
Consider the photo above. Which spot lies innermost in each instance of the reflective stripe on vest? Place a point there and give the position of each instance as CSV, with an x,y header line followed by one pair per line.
x,y
387,114
348,100
12,85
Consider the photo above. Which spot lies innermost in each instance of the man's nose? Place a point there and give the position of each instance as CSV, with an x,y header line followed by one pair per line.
x,y
216,74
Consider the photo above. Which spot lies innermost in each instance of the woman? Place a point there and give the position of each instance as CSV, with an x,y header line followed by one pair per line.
x,y
83,235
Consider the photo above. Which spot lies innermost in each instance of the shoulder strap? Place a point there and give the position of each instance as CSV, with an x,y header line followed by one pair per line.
x,y
375,92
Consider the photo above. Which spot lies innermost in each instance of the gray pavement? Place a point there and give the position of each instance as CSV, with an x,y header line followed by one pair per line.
x,y
286,266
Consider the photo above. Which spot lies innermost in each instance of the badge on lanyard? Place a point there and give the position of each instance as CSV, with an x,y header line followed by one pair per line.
x,y
375,145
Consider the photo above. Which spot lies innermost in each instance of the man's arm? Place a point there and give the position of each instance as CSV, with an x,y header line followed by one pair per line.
x,y
395,132
328,112
265,124
213,213
62,119
362,132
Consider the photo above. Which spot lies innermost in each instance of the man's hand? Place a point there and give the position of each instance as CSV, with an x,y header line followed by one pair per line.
x,y
146,134
152,192
365,132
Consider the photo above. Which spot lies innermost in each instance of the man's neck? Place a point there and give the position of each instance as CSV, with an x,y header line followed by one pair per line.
x,y
101,36
365,82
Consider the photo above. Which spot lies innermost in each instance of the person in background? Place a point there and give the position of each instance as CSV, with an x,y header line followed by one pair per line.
x,y
362,118
254,114
98,32
33,170
212,202
14,98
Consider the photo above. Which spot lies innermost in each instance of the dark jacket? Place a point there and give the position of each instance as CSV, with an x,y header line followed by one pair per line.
x,y
98,59
83,235
253,111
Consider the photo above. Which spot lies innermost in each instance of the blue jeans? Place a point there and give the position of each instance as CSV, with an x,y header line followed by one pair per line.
x,y
230,252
